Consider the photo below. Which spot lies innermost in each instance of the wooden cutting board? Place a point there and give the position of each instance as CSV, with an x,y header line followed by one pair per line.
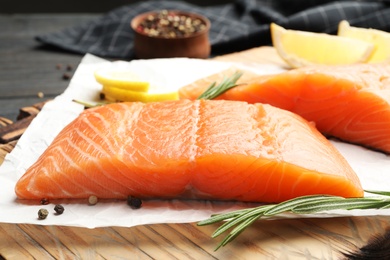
x,y
277,239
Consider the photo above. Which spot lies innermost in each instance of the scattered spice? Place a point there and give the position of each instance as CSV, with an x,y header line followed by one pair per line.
x,y
59,209
58,66
42,213
44,201
69,67
170,24
134,202
66,76
40,94
92,200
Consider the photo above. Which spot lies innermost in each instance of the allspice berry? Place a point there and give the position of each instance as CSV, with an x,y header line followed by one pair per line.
x,y
42,213
92,200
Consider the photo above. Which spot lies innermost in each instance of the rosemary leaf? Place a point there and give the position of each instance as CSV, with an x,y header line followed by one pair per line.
x,y
220,217
292,203
384,193
339,203
386,206
258,211
215,90
238,230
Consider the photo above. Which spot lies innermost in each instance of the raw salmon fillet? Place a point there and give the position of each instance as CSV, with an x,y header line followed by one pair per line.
x,y
222,150
351,102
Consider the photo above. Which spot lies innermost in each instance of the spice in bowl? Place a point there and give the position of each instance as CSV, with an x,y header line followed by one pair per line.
x,y
171,33
169,24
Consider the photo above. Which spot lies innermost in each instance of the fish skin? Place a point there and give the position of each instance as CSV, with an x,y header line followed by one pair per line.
x,y
351,103
203,149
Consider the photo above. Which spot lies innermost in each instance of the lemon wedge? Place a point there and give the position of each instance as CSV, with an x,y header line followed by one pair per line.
x,y
122,79
154,94
380,39
301,48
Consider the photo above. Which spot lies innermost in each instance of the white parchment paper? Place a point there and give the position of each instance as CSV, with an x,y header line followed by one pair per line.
x,y
373,168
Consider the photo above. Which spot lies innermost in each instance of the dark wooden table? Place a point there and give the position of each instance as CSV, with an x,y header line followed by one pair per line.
x,y
29,70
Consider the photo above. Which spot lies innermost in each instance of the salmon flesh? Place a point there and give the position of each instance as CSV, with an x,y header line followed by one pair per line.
x,y
203,149
351,103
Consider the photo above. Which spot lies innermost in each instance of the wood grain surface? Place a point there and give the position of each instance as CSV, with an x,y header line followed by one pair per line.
x,y
267,239
276,239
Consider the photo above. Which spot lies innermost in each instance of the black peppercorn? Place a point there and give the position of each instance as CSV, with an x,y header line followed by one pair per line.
x,y
134,202
66,76
42,213
59,209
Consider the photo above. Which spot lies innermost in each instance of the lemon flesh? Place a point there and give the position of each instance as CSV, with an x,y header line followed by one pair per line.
x,y
301,48
122,79
380,39
154,94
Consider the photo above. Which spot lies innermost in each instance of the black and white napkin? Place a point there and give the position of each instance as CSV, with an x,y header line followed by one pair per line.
x,y
235,26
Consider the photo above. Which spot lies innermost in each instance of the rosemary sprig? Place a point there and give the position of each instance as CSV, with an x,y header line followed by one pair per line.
x,y
215,90
238,221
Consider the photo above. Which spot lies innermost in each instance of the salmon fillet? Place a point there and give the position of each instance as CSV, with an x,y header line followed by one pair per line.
x,y
347,102
220,150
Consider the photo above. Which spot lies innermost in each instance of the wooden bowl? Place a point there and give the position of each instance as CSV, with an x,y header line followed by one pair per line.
x,y
149,44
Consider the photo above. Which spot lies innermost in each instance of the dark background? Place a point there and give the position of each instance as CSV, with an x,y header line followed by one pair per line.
x,y
29,68
78,6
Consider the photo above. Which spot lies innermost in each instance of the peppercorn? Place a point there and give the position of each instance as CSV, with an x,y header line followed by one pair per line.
x,y
44,201
42,213
59,209
134,202
66,76
169,24
92,200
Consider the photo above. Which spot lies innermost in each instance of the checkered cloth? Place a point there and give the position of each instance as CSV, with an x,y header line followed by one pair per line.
x,y
236,26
